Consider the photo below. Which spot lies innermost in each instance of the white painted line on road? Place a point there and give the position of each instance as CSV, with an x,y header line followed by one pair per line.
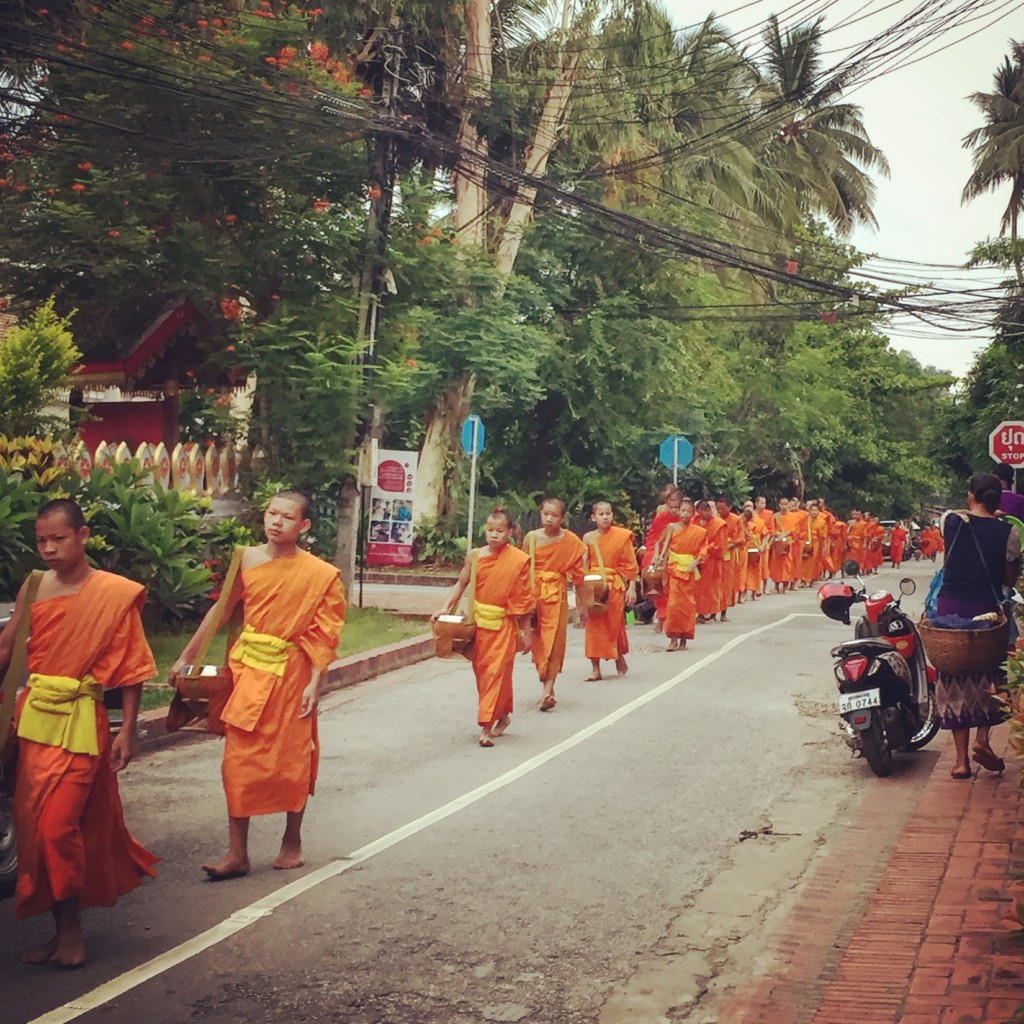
x,y
246,916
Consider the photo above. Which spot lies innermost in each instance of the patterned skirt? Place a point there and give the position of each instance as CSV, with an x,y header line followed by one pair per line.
x,y
969,701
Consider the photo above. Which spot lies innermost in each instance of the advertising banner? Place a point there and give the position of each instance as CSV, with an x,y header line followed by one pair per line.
x,y
390,535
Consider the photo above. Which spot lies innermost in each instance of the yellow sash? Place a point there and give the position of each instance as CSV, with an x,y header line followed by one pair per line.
x,y
552,586
61,712
488,616
683,563
262,651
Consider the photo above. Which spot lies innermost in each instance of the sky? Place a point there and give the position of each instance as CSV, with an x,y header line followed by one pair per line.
x,y
917,115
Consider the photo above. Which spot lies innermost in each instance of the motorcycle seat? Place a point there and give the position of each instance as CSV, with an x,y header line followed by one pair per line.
x,y
870,645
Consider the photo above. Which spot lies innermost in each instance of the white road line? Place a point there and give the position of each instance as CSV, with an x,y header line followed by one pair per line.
x,y
243,918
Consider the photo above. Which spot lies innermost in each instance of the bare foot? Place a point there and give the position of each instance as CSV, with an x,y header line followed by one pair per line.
x,y
501,725
40,955
290,857
594,677
673,646
547,702
69,952
620,666
659,626
226,868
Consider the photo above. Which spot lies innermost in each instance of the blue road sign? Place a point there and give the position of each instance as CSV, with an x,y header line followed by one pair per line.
x,y
675,451
472,439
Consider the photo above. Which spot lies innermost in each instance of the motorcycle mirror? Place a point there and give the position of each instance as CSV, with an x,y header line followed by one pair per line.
x,y
851,568
907,586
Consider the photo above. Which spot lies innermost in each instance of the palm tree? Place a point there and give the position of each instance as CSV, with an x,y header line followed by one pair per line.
x,y
999,145
817,143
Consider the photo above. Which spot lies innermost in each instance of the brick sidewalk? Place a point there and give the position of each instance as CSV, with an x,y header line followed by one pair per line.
x,y
930,944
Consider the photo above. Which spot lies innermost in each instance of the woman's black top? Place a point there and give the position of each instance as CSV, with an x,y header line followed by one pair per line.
x,y
972,575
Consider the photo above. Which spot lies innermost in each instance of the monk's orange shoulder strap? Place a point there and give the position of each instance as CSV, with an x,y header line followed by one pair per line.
x,y
595,543
531,547
17,668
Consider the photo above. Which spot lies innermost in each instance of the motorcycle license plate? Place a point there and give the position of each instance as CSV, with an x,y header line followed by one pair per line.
x,y
859,701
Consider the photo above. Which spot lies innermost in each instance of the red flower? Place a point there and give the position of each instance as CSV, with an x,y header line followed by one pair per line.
x,y
318,52
202,23
78,188
373,192
114,234
126,45
229,348
85,166
204,57
412,363
231,309
316,12
230,218
275,298
320,205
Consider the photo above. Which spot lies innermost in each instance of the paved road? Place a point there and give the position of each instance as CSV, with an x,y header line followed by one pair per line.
x,y
615,860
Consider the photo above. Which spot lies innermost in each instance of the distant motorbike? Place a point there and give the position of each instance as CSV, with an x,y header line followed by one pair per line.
x,y
886,688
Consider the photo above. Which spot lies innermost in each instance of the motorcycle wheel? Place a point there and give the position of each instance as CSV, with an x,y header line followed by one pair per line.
x,y
8,848
930,729
874,744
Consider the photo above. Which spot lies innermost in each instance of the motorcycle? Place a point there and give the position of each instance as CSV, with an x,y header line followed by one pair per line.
x,y
886,687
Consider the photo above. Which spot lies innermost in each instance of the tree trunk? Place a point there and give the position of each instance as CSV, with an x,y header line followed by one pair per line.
x,y
432,499
540,149
470,173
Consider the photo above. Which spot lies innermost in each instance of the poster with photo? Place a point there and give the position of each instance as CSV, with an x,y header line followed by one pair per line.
x,y
389,541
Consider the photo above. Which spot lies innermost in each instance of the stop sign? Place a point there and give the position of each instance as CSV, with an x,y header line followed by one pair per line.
x,y
1006,443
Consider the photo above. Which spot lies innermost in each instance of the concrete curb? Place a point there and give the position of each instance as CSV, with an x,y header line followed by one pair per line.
x,y
357,668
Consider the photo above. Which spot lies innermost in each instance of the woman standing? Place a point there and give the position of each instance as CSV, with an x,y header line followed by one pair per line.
x,y
982,556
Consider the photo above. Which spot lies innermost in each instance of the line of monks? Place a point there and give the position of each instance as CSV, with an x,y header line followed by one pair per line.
x,y
698,560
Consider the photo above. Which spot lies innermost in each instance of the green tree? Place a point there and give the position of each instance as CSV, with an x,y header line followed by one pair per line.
x,y
998,146
35,357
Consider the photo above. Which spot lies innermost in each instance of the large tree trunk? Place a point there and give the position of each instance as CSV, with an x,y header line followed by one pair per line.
x,y
470,173
432,499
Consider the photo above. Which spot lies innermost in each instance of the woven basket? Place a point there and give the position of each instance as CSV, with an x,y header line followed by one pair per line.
x,y
453,637
958,652
594,592
200,698
654,579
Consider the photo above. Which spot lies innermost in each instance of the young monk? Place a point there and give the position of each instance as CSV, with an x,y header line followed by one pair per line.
x,y
759,530
815,534
502,604
666,513
294,608
778,552
709,586
765,514
897,541
683,546
606,631
855,539
74,850
556,556
794,522
735,539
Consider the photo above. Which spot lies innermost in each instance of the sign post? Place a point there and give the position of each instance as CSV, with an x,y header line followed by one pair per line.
x,y
676,453
472,445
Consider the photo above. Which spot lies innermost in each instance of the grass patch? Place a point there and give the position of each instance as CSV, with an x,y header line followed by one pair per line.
x,y
365,629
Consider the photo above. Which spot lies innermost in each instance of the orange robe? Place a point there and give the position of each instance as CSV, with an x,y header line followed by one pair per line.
x,y
72,839
837,545
897,540
778,552
768,518
709,586
681,607
270,754
658,524
606,631
855,540
876,535
795,524
811,565
553,563
503,581
730,560
759,529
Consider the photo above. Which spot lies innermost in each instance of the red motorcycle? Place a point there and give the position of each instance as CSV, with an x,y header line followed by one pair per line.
x,y
886,688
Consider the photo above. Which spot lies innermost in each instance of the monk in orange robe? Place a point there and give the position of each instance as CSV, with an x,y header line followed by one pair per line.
x,y
778,552
709,586
759,530
556,556
734,540
816,533
855,537
794,523
86,634
765,514
897,542
666,513
873,534
501,603
683,547
294,608
611,547
837,544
